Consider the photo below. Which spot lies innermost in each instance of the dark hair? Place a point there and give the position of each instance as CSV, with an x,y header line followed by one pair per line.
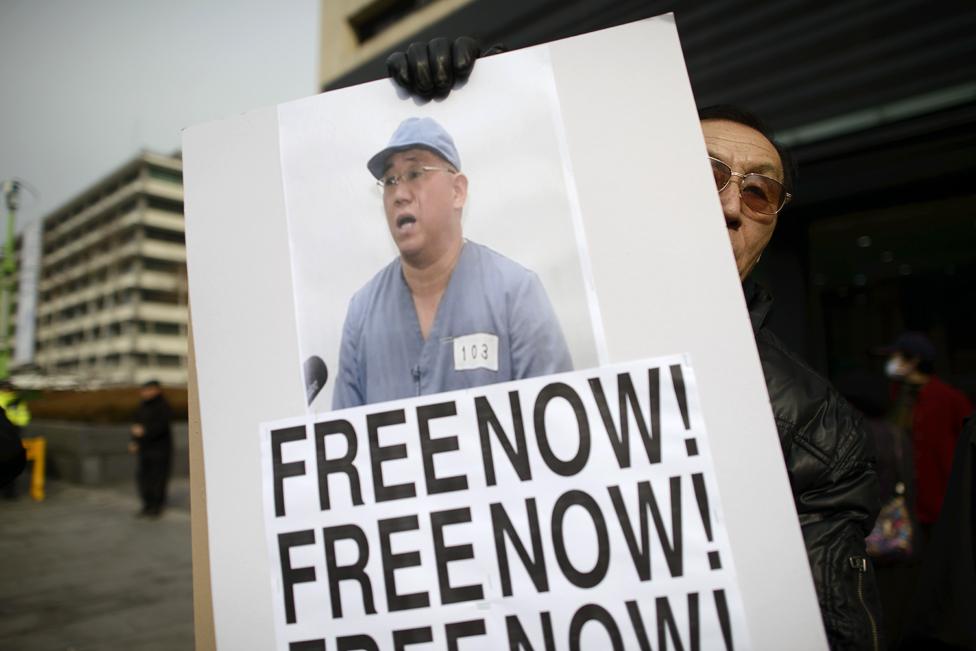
x,y
742,116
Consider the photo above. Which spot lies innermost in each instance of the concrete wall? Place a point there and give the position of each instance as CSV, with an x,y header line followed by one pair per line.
x,y
93,454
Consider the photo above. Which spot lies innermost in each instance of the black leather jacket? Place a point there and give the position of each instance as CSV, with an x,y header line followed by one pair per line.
x,y
830,463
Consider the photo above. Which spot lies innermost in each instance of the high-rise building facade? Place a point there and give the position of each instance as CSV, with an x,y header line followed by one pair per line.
x,y
112,290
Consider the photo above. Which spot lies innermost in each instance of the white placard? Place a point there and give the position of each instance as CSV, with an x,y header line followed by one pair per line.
x,y
652,253
583,506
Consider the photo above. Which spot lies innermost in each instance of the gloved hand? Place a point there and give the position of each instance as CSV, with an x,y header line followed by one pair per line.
x,y
431,69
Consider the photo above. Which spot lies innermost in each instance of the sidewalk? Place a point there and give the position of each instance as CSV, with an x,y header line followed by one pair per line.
x,y
79,573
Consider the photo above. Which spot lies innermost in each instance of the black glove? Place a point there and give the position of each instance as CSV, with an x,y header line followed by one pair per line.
x,y
430,69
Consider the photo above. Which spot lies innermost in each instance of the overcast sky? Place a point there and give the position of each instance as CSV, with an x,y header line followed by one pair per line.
x,y
86,84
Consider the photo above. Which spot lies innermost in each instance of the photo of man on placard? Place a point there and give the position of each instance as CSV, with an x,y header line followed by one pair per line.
x,y
437,249
448,313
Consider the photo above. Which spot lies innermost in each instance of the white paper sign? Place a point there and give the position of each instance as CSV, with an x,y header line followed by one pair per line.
x,y
618,174
479,350
575,511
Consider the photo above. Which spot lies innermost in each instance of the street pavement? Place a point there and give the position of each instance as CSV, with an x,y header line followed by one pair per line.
x,y
79,573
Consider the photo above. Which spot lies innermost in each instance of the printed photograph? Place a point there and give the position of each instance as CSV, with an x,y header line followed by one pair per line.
x,y
435,246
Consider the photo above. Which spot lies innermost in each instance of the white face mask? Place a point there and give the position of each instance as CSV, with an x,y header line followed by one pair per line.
x,y
894,368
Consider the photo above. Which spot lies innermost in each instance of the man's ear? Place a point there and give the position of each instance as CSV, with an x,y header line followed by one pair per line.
x,y
460,190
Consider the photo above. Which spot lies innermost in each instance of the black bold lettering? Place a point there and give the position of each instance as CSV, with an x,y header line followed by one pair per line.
x,y
307,645
535,565
280,471
343,464
378,454
355,572
594,613
457,630
519,641
626,403
577,578
694,623
638,623
518,455
292,575
722,606
666,626
557,465
678,382
429,447
406,637
641,552
393,562
356,643
444,554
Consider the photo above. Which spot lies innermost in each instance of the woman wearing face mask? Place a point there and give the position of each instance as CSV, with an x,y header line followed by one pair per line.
x,y
933,411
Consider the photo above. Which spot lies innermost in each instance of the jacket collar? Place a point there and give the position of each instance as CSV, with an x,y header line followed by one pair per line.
x,y
758,301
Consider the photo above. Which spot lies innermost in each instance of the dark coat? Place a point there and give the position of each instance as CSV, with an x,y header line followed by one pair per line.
x,y
943,614
155,415
830,464
13,457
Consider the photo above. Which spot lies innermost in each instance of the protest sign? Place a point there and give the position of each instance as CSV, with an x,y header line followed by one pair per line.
x,y
576,511
648,248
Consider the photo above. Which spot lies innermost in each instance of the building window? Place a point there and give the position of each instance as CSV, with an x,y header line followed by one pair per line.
x,y
158,296
155,264
376,16
163,328
163,235
166,205
173,176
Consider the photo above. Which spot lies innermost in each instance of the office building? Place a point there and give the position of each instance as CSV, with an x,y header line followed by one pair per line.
x,y
112,289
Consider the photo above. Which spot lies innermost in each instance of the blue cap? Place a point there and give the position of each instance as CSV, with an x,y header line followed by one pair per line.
x,y
417,133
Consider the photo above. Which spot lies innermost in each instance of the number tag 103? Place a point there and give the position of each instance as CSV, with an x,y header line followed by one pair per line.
x,y
479,350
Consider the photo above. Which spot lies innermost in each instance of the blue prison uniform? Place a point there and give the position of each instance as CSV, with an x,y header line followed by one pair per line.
x,y
384,357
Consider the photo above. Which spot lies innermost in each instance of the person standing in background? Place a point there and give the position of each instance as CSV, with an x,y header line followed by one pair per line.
x,y
933,411
18,416
13,458
152,440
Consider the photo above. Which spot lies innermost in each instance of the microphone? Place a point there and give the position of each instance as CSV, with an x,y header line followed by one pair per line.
x,y
315,376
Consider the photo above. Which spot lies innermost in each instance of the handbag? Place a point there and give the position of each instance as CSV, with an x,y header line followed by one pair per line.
x,y
893,536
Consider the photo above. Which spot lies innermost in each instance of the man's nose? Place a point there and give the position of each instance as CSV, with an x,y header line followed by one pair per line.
x,y
731,198
401,192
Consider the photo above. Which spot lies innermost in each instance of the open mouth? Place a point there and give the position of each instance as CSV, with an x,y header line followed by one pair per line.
x,y
403,220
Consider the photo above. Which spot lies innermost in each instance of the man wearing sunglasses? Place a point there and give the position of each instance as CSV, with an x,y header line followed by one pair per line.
x,y
830,467
447,313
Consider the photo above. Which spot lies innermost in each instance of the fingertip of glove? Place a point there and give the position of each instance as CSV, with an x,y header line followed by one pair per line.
x,y
396,68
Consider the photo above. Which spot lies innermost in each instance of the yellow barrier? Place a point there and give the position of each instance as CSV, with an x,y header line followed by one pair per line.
x,y
36,448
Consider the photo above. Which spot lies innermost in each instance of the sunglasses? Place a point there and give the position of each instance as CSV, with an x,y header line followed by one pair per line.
x,y
759,193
